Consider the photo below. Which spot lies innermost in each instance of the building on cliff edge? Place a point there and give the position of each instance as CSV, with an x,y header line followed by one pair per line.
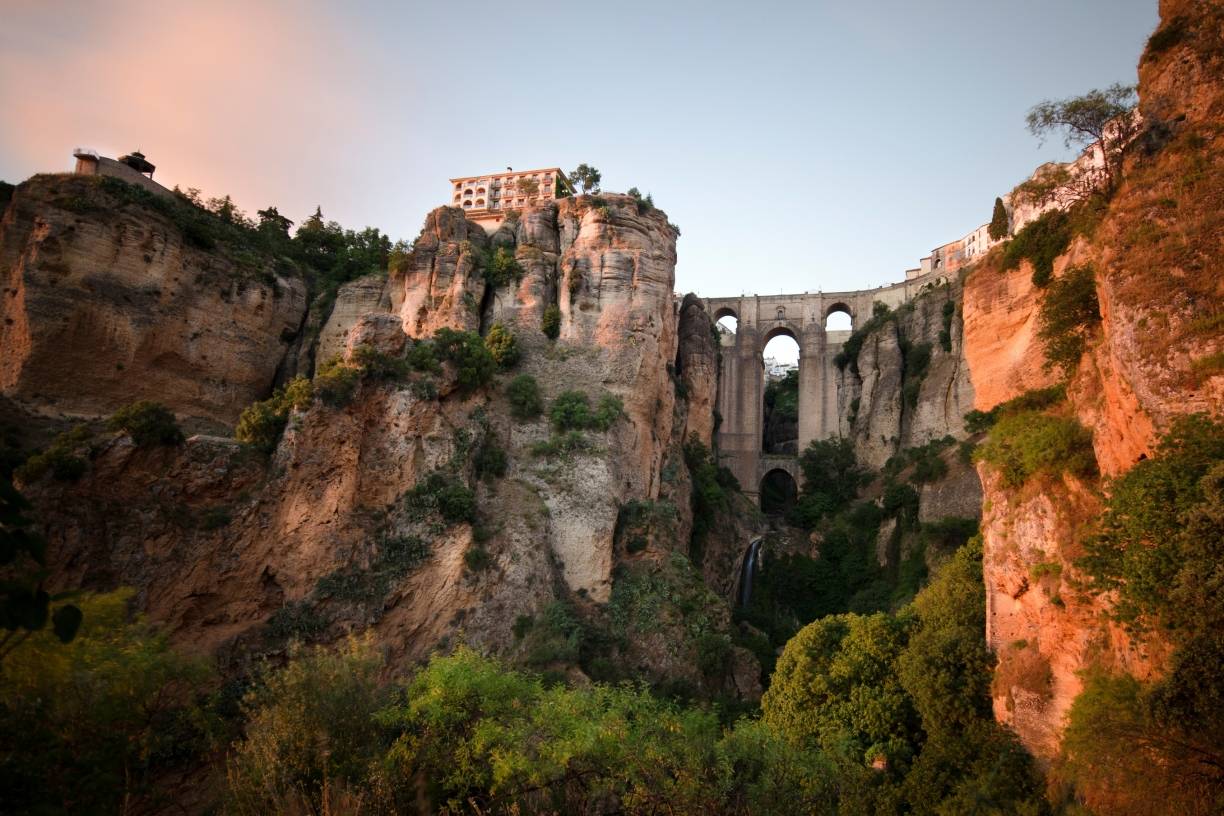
x,y
133,168
487,199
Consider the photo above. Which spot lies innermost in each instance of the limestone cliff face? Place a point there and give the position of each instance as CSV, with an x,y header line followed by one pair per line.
x,y
106,302
235,552
890,399
1156,258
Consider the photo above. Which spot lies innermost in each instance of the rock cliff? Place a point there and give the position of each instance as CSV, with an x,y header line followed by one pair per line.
x,y
1155,258
108,300
346,525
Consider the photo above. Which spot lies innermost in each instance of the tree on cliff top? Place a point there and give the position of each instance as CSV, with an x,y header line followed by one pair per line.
x,y
998,221
586,177
1107,116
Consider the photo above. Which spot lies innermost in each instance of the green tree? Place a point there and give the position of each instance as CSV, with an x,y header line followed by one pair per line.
x,y
466,351
999,224
25,607
586,177
1108,117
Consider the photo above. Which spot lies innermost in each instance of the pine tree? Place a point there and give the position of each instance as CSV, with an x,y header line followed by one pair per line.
x,y
998,221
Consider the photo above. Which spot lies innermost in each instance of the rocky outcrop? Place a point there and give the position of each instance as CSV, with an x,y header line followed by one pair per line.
x,y
895,399
441,284
107,301
696,367
356,298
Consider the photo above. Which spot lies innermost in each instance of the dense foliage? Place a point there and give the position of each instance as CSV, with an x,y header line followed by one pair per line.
x,y
1040,242
909,694
1154,747
1069,314
550,323
90,725
1025,444
466,351
502,346
572,411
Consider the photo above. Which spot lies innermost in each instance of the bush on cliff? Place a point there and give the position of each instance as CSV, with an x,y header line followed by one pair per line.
x,y
571,411
63,458
1068,315
1027,443
523,392
1040,242
500,267
466,351
502,345
262,423
550,323
147,423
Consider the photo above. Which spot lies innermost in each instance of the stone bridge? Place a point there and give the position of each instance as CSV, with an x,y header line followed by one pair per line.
x,y
741,384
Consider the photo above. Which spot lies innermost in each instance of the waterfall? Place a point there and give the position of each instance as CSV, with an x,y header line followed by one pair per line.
x,y
752,562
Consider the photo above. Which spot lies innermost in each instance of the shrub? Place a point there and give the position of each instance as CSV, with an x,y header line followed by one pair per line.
x,y
1167,36
311,731
261,423
445,493
561,445
1161,534
490,459
60,458
423,358
501,268
474,365
477,559
1069,313
1040,242
571,410
336,381
147,423
609,410
524,395
502,346
1037,399
1029,442
550,323
378,365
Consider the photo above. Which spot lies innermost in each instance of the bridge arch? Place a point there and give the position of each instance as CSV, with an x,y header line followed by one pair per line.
x,y
833,323
779,490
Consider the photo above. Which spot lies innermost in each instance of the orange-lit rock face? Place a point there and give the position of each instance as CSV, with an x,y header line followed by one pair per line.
x,y
104,306
1000,335
1043,632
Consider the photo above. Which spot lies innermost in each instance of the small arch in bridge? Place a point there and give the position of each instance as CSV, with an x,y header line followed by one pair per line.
x,y
726,320
839,318
778,492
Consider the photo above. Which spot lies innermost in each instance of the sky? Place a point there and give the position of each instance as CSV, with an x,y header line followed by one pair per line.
x,y
800,146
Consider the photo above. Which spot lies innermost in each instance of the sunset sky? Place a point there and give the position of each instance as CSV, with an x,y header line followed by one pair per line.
x,y
799,146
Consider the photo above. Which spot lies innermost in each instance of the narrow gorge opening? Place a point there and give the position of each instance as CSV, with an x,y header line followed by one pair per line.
x,y
778,493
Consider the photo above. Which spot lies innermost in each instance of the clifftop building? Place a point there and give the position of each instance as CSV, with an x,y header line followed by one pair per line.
x,y
486,199
133,168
